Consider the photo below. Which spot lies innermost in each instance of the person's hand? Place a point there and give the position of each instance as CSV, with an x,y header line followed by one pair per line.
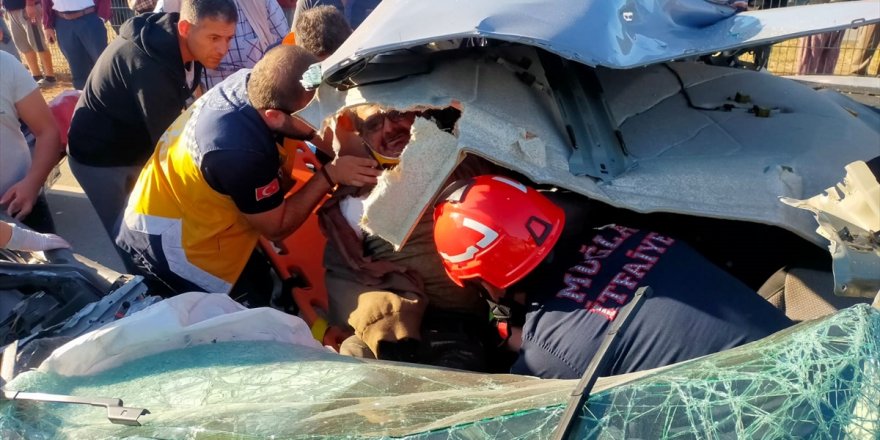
x,y
50,35
31,13
30,241
346,139
353,171
19,198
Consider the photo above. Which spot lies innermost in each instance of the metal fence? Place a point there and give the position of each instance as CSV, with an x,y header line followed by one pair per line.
x,y
845,52
849,52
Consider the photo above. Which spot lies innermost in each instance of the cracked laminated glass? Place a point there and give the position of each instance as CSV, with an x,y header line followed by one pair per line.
x,y
819,379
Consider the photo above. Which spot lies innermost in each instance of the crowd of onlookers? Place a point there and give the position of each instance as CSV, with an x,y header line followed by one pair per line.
x,y
29,27
130,91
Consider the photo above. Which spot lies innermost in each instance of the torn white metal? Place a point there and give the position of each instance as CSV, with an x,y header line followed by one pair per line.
x,y
690,145
849,217
404,185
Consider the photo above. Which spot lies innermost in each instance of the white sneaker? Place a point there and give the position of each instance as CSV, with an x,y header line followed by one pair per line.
x,y
47,81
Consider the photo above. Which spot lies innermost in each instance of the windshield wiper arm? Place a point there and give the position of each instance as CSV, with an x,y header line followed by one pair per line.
x,y
581,393
116,412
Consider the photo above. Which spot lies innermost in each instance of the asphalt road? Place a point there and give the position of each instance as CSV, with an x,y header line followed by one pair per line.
x,y
76,221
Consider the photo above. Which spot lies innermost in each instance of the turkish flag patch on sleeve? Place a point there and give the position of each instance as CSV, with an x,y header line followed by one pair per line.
x,y
264,192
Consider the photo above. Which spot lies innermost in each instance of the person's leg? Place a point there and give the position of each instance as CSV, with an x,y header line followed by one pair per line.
x,y
867,43
145,255
6,43
73,50
48,67
254,286
17,24
37,40
806,55
8,47
355,347
32,43
93,36
828,58
343,287
107,189
30,58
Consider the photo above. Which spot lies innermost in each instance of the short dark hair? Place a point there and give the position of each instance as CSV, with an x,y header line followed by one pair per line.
x,y
321,30
195,10
275,81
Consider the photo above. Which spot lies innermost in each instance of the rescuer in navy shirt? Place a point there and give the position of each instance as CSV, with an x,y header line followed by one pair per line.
x,y
505,236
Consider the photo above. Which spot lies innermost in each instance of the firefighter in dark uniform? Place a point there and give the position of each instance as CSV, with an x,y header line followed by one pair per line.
x,y
564,294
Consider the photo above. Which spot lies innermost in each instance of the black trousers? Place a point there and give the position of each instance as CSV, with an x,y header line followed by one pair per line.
x,y
40,217
253,288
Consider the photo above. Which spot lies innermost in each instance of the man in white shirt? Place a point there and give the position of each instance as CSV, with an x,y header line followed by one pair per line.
x,y
78,26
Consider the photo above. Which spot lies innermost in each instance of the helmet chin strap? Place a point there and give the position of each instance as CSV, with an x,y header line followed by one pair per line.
x,y
384,161
506,312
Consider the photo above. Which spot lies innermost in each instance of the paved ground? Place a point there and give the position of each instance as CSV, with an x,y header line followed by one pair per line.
x,y
76,221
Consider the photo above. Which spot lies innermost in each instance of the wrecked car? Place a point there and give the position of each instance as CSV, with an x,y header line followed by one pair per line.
x,y
608,114
608,99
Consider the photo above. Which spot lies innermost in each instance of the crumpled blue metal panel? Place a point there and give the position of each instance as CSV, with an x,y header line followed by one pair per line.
x,y
610,33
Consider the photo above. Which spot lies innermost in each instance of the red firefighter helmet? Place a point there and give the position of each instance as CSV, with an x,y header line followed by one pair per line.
x,y
494,228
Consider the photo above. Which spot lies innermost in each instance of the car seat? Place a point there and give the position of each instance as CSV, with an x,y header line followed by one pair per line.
x,y
804,294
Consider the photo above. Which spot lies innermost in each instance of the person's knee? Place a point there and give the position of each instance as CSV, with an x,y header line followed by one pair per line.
x,y
355,347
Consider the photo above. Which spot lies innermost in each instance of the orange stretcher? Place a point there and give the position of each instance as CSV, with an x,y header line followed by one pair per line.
x,y
299,258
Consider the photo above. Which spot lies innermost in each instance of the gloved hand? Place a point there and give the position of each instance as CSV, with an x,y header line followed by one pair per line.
x,y
27,240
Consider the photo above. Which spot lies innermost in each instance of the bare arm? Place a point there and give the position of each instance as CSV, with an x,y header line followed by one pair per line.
x,y
30,10
280,222
49,20
33,110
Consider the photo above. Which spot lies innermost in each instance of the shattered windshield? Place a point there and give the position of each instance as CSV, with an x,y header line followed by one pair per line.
x,y
820,379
